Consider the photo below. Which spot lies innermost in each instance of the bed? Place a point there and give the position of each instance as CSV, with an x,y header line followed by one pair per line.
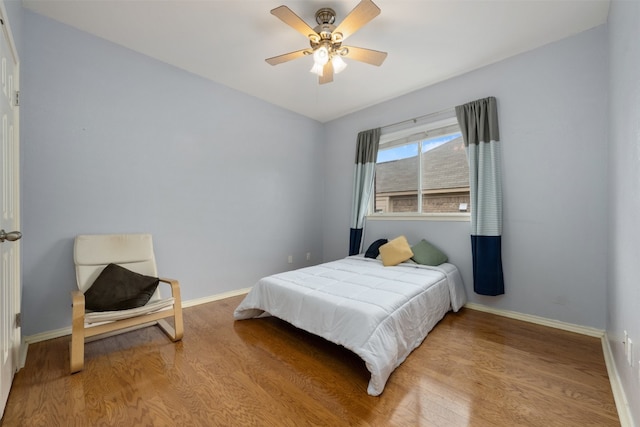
x,y
380,313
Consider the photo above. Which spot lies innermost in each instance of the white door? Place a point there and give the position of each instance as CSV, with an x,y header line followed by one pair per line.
x,y
9,215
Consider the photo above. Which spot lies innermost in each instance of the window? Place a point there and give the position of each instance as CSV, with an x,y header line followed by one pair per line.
x,y
422,170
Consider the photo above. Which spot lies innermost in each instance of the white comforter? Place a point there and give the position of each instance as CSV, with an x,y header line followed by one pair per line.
x,y
380,313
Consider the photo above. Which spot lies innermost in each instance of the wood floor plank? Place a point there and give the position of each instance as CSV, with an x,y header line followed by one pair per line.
x,y
474,368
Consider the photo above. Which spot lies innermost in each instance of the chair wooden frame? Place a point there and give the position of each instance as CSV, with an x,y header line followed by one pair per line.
x,y
82,332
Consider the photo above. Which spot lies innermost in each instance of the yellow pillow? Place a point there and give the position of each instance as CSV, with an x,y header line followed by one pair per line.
x,y
395,251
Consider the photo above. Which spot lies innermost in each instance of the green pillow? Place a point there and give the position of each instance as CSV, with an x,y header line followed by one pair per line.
x,y
118,288
427,254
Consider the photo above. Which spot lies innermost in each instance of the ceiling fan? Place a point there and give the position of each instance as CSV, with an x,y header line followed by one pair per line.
x,y
326,39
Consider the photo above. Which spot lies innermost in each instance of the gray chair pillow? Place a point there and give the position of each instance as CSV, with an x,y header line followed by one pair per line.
x,y
118,288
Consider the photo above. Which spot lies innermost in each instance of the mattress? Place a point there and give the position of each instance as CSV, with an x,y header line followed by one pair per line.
x,y
380,313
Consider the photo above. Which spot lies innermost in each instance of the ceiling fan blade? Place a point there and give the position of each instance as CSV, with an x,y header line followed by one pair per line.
x,y
327,74
364,12
288,56
373,57
287,16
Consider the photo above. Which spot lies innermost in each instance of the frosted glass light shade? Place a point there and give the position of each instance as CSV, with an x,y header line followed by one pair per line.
x,y
321,55
338,64
317,69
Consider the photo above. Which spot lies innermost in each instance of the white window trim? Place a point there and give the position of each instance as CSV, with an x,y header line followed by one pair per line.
x,y
406,136
453,217
417,133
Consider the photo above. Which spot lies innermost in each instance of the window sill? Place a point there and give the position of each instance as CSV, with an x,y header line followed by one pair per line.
x,y
454,217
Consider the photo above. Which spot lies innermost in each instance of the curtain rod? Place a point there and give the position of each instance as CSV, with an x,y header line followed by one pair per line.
x,y
415,119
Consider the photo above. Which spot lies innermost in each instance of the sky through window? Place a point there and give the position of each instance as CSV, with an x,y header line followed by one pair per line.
x,y
411,150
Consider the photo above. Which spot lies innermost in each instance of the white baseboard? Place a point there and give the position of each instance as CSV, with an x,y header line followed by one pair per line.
x,y
47,335
618,393
584,330
57,333
622,404
213,298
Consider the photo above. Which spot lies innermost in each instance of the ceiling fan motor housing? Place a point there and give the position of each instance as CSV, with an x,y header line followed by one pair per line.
x,y
326,15
325,18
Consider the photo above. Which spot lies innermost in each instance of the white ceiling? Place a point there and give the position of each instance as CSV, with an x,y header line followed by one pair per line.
x,y
427,40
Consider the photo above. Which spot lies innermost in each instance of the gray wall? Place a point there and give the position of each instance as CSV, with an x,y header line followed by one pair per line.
x,y
552,105
113,141
624,191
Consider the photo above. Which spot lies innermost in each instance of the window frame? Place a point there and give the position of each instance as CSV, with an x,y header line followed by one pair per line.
x,y
409,135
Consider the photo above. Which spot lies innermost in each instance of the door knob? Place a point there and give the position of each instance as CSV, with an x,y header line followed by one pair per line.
x,y
10,236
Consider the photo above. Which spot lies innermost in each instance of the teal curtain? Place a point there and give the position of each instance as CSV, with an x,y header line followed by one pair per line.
x,y
363,179
478,122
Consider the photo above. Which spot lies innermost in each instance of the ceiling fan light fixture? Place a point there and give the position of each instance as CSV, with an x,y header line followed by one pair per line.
x,y
317,69
338,64
321,55
326,39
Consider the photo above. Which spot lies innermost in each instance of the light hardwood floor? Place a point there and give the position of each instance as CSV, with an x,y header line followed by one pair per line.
x,y
473,369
